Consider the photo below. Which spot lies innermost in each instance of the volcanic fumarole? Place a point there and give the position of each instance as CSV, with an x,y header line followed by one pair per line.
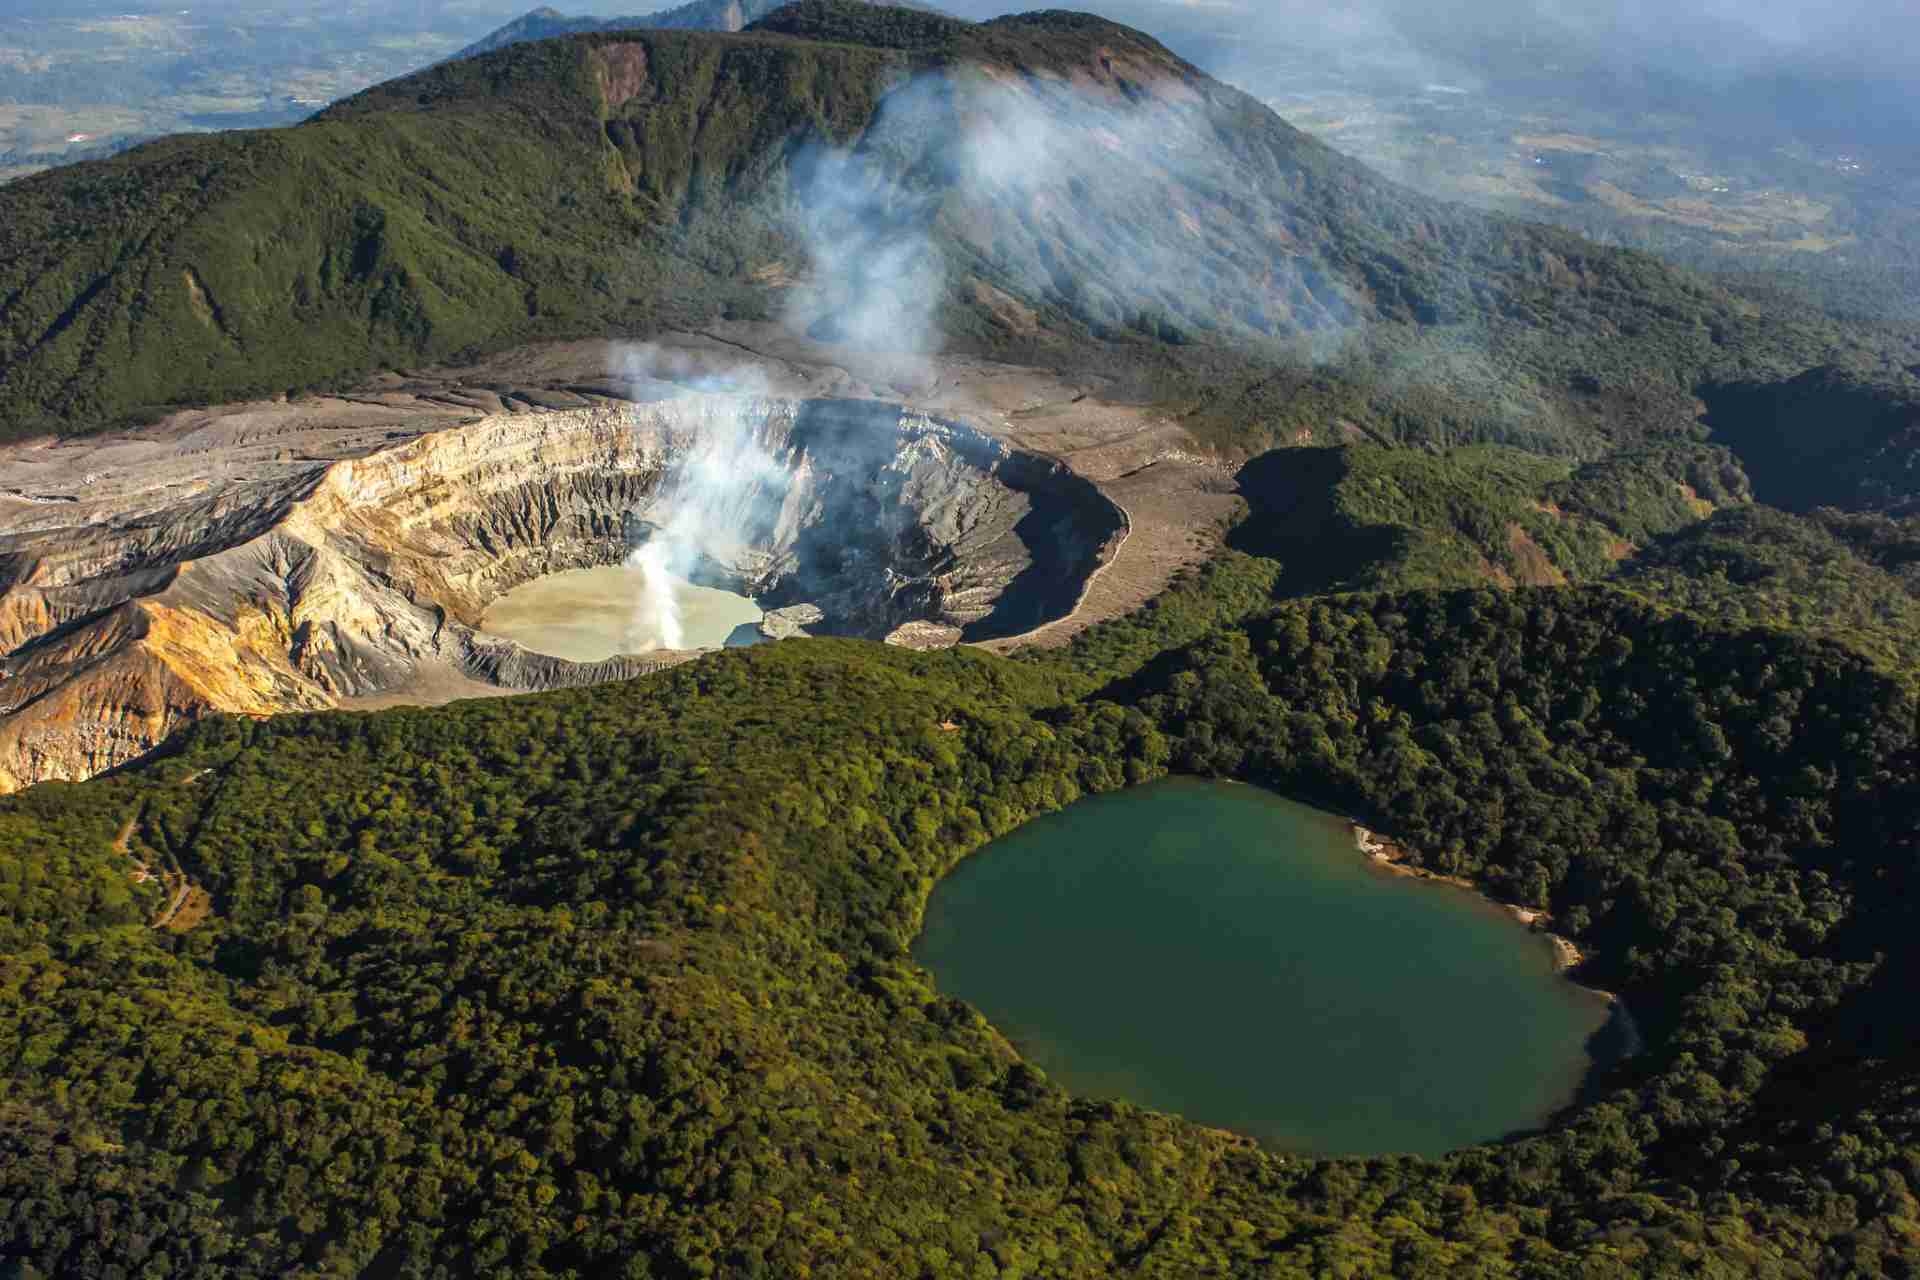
x,y
282,584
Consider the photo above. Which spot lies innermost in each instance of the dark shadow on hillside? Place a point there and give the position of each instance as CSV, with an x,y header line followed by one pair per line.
x,y
1066,533
1865,1057
1825,438
1292,517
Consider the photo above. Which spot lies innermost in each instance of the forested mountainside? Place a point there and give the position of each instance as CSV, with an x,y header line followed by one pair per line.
x,y
1677,525
615,981
1250,278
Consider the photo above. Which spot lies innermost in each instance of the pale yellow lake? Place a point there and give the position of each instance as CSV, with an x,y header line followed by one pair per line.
x,y
587,615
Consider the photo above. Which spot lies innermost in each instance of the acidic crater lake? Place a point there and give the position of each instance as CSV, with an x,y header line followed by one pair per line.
x,y
1218,952
588,615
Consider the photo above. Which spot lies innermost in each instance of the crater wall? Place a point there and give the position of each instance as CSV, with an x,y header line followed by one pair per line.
x,y
306,585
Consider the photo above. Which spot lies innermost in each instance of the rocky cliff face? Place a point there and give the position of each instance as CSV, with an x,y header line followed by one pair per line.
x,y
132,612
883,519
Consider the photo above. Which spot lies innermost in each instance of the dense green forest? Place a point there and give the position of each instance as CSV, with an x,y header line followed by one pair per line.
x,y
616,981
1848,578
1677,525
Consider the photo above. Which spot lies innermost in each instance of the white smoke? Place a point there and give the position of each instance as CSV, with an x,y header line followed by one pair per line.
x,y
1133,212
1140,211
876,276
864,217
656,613
722,488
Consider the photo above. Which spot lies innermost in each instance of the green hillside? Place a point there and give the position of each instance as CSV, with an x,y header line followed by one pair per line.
x,y
1252,279
1848,578
1675,525
616,982
480,204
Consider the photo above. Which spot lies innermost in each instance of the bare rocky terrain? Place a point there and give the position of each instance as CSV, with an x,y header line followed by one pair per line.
x,y
340,551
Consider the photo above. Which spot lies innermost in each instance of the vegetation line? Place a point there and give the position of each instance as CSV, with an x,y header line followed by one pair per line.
x,y
1388,856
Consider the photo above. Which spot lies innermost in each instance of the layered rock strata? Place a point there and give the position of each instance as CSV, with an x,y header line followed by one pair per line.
x,y
298,586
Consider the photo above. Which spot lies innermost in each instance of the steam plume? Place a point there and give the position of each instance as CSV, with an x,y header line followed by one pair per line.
x,y
656,614
722,492
1130,211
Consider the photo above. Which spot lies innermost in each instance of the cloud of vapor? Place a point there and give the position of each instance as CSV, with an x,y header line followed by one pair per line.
x,y
875,276
811,502
1131,209
711,503
719,494
1141,215
1132,215
1138,209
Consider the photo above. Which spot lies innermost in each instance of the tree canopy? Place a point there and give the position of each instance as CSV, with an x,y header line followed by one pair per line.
x,y
616,981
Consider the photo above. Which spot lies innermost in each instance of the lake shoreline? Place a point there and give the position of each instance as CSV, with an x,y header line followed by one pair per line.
x,y
1391,857
1119,945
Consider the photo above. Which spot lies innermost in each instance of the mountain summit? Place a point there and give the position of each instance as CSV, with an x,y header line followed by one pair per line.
x,y
1051,186
701,15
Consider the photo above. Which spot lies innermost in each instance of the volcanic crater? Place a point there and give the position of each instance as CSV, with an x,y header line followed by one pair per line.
x,y
272,575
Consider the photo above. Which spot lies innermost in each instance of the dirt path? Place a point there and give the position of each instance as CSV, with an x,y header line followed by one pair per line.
x,y
179,900
187,903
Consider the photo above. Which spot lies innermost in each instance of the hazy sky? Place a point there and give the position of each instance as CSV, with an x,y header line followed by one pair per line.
x,y
1702,39
1705,40
1837,69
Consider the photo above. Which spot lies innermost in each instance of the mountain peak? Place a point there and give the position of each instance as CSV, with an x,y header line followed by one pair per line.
x,y
1071,188
887,26
546,22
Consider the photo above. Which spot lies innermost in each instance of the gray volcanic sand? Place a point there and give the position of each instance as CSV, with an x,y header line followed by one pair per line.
x,y
588,615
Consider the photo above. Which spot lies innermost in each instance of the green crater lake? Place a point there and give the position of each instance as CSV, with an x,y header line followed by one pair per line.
x,y
1218,952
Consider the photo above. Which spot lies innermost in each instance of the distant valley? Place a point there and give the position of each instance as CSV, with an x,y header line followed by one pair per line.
x,y
88,79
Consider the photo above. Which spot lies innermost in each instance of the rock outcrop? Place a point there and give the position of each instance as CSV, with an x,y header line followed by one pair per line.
x,y
790,621
137,603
